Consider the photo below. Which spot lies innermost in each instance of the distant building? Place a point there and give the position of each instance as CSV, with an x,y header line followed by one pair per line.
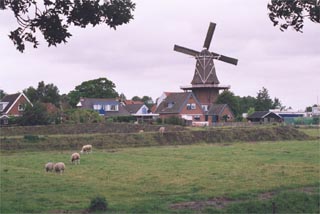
x,y
264,117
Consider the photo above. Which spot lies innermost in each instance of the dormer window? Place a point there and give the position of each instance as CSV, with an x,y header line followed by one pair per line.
x,y
170,105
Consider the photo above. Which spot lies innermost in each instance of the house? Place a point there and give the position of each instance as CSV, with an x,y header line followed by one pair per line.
x,y
12,105
264,117
219,113
183,105
141,112
108,107
137,108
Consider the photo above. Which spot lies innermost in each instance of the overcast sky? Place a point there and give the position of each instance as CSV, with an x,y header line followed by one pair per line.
x,y
139,57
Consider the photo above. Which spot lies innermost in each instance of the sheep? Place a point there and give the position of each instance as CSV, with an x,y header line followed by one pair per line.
x,y
59,167
49,167
86,148
75,158
141,131
161,130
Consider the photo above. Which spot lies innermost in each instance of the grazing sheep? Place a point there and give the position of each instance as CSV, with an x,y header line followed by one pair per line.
x,y
49,167
86,148
161,130
75,158
141,131
59,167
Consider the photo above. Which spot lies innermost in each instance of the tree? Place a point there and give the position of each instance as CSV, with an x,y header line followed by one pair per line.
x,y
291,13
54,17
145,99
2,94
276,104
228,97
97,88
263,100
45,93
34,115
245,103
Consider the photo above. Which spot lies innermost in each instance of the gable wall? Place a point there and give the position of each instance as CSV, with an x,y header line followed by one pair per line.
x,y
14,111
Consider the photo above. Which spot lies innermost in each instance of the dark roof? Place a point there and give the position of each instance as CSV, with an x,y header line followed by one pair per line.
x,y
262,114
10,99
133,108
88,103
174,103
216,109
122,112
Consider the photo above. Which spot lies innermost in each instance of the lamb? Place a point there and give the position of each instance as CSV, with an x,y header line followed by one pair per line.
x,y
161,130
86,148
75,158
59,167
49,167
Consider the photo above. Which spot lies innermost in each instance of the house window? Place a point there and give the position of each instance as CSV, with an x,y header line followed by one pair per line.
x,y
21,107
196,117
170,105
97,107
144,110
1,107
205,107
112,108
191,106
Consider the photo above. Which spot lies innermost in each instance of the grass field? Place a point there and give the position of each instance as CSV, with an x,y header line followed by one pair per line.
x,y
238,177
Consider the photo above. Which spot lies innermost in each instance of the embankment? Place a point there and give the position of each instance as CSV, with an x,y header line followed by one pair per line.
x,y
44,138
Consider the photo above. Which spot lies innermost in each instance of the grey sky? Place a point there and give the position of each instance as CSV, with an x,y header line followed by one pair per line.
x,y
139,57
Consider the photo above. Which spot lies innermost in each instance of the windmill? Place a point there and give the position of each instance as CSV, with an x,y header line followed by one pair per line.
x,y
205,83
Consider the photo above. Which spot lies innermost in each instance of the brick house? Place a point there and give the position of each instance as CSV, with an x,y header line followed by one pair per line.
x,y
183,105
219,113
12,105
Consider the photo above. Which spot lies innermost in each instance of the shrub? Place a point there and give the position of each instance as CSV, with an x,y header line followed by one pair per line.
x,y
126,119
99,203
31,137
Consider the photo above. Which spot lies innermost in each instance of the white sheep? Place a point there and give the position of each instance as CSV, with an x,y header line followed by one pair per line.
x,y
49,167
141,131
161,130
59,167
86,148
75,158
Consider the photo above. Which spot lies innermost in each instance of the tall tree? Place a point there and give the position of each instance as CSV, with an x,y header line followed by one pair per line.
x,y
291,13
45,93
2,94
97,88
53,18
228,97
263,100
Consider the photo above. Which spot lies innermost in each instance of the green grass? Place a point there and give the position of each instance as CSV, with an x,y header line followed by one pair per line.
x,y
314,132
150,180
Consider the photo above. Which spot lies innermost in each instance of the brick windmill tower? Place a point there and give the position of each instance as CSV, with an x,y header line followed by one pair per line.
x,y
205,84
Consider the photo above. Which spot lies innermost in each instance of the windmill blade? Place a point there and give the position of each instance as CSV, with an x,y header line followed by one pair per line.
x,y
185,50
208,39
225,58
